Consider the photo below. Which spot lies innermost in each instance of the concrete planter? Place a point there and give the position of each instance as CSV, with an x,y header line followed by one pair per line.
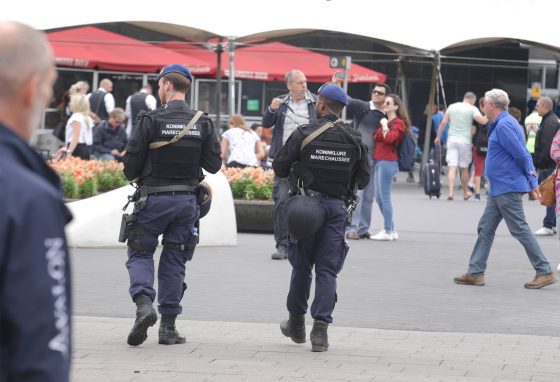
x,y
254,215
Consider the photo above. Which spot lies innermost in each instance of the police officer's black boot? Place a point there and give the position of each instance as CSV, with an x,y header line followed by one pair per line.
x,y
319,337
146,316
294,328
168,334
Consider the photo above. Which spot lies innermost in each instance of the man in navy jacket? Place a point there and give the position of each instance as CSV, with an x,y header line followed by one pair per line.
x,y
35,342
285,114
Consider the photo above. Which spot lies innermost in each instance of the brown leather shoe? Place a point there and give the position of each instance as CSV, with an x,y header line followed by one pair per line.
x,y
541,281
468,279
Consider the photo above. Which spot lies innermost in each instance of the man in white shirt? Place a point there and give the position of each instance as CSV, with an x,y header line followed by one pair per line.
x,y
460,117
141,100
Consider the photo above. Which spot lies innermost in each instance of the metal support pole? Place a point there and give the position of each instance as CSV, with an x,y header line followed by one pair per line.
x,y
402,78
345,83
427,136
95,81
219,51
231,77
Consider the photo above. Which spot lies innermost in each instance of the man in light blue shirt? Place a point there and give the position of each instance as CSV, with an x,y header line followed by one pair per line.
x,y
510,169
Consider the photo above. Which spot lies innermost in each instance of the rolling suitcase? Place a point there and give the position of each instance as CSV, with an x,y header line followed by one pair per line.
x,y
431,174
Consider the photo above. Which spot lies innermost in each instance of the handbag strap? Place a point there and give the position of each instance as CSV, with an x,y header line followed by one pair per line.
x,y
182,133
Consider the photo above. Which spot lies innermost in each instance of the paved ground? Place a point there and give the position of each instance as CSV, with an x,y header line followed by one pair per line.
x,y
231,352
399,316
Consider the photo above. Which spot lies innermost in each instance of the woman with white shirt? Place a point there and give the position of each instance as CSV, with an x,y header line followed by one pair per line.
x,y
240,145
79,129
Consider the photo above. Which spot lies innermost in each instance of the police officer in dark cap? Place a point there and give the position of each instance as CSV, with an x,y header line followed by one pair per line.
x,y
164,157
328,163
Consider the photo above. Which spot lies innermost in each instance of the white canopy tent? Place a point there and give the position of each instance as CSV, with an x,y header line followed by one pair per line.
x,y
424,28
429,25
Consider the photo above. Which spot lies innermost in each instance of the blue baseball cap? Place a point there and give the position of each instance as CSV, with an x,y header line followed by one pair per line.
x,y
334,93
175,68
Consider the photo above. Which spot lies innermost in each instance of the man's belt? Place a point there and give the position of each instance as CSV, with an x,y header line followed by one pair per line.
x,y
320,195
169,188
141,194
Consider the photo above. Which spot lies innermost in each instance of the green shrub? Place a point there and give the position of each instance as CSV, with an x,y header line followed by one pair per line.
x,y
70,186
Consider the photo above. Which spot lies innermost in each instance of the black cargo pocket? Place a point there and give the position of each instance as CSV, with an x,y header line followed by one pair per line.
x,y
190,245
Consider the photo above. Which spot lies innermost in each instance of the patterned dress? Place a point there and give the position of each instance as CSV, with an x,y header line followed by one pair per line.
x,y
555,155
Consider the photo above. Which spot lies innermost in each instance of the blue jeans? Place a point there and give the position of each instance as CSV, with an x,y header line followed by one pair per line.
x,y
549,220
385,170
510,208
103,156
361,219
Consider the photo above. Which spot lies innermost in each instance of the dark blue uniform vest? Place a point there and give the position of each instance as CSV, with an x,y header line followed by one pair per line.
x,y
177,163
327,162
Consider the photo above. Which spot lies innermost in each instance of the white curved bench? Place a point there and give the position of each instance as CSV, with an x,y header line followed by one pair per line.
x,y
97,219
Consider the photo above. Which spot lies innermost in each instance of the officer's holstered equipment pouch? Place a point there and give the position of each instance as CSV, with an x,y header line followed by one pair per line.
x,y
125,228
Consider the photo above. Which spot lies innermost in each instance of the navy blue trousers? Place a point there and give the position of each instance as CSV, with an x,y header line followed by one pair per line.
x,y
173,216
326,251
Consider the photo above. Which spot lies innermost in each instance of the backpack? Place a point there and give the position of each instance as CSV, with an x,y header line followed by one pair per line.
x,y
481,139
407,153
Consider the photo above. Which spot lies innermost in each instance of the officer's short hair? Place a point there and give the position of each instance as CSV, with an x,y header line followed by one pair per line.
x,y
334,106
179,81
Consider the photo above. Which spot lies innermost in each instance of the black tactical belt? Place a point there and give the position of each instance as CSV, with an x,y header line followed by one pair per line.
x,y
319,195
176,188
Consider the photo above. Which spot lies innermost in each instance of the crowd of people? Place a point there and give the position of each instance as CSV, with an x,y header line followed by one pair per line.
x,y
92,127
327,174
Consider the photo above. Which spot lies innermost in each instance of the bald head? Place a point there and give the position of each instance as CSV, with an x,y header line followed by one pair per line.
x,y
27,76
106,84
24,52
469,97
297,84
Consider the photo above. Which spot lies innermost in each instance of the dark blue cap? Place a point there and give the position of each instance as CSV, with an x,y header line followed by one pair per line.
x,y
175,68
334,93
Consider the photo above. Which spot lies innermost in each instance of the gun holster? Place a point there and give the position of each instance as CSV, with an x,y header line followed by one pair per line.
x,y
127,221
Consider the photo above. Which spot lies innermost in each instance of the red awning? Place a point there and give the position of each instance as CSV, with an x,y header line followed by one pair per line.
x,y
271,61
90,47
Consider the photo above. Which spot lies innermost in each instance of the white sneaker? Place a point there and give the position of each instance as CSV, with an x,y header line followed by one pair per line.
x,y
382,236
544,231
395,235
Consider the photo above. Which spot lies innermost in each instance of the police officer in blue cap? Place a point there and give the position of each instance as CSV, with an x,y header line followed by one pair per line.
x,y
164,156
327,161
